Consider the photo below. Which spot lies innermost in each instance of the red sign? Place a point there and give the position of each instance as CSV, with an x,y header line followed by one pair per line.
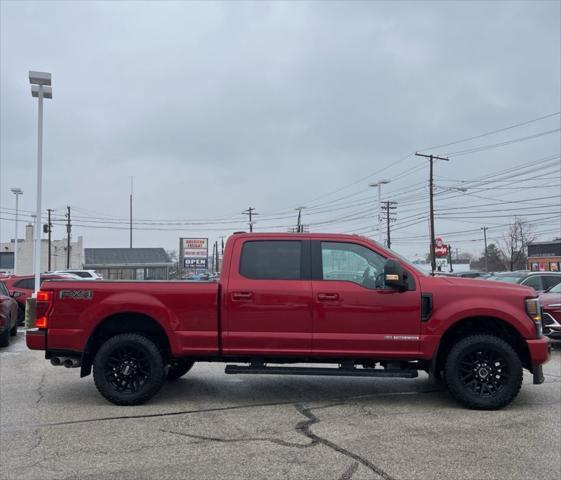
x,y
440,248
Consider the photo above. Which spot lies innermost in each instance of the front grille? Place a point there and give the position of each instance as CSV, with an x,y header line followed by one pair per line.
x,y
549,321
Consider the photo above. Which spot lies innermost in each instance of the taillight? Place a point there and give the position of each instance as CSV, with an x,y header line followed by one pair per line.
x,y
42,308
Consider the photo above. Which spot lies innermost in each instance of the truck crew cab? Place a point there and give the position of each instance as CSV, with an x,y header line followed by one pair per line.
x,y
339,300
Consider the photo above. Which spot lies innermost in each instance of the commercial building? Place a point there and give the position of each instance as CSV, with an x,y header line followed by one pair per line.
x,y
545,256
25,254
129,263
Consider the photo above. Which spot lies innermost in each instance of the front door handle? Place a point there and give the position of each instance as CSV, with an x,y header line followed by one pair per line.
x,y
328,297
242,296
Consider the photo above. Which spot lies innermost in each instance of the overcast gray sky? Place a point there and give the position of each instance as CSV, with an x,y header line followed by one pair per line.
x,y
214,107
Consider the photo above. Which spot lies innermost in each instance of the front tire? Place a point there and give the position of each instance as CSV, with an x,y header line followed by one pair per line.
x,y
178,367
128,369
483,372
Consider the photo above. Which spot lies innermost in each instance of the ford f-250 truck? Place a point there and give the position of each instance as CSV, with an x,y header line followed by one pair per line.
x,y
284,299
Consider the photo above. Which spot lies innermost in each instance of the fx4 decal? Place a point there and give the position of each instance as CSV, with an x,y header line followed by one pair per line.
x,y
76,294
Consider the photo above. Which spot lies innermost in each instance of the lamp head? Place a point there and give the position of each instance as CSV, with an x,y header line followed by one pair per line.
x,y
39,78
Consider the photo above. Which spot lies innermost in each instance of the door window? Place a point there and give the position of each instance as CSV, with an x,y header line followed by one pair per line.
x,y
535,282
272,260
352,263
550,281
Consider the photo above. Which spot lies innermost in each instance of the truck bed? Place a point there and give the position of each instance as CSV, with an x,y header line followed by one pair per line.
x,y
186,311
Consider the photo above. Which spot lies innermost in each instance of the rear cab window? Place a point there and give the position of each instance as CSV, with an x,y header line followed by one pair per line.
x,y
273,260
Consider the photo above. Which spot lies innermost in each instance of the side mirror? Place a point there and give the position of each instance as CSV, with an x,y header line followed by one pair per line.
x,y
394,276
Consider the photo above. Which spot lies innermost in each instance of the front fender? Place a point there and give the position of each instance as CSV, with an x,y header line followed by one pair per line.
x,y
449,314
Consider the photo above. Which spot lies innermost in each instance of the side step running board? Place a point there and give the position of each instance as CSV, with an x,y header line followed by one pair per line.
x,y
336,372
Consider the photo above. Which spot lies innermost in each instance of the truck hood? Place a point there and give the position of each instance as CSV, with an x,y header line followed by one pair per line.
x,y
485,286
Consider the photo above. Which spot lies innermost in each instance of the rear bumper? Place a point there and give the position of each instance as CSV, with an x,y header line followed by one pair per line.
x,y
539,349
36,339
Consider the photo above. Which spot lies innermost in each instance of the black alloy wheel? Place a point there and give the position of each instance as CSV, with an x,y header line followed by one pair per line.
x,y
128,369
483,372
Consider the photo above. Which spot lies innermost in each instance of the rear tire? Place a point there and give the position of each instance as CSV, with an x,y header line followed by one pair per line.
x,y
178,367
21,315
128,369
483,372
5,338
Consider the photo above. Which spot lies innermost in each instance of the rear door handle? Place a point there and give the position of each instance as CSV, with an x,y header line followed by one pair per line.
x,y
328,297
242,296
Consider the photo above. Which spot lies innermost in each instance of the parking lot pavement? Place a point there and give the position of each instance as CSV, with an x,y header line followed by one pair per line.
x,y
208,425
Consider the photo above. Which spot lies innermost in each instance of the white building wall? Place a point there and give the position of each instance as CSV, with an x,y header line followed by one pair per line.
x,y
58,253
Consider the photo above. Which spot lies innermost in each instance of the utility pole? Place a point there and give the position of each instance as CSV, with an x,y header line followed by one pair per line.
x,y
485,240
222,239
387,209
250,212
431,205
68,230
50,228
217,260
299,226
450,257
130,218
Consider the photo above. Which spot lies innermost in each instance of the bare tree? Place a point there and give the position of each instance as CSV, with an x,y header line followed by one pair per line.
x,y
514,243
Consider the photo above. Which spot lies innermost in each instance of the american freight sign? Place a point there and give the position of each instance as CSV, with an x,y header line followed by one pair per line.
x,y
194,253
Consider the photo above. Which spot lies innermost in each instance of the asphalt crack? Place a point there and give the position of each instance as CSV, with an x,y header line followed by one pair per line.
x,y
347,475
303,427
340,401
41,388
206,438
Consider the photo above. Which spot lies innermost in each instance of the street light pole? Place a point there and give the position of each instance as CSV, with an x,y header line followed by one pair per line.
x,y
40,88
379,184
17,192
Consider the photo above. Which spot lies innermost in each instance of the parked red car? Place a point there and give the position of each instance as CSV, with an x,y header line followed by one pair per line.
x,y
297,298
8,316
551,305
21,287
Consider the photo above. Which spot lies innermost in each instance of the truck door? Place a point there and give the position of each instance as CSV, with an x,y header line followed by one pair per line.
x,y
355,314
267,305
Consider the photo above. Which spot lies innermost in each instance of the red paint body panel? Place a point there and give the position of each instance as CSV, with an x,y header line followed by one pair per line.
x,y
260,317
36,339
187,312
298,318
539,351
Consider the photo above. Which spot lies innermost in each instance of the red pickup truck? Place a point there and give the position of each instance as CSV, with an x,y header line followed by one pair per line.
x,y
287,299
